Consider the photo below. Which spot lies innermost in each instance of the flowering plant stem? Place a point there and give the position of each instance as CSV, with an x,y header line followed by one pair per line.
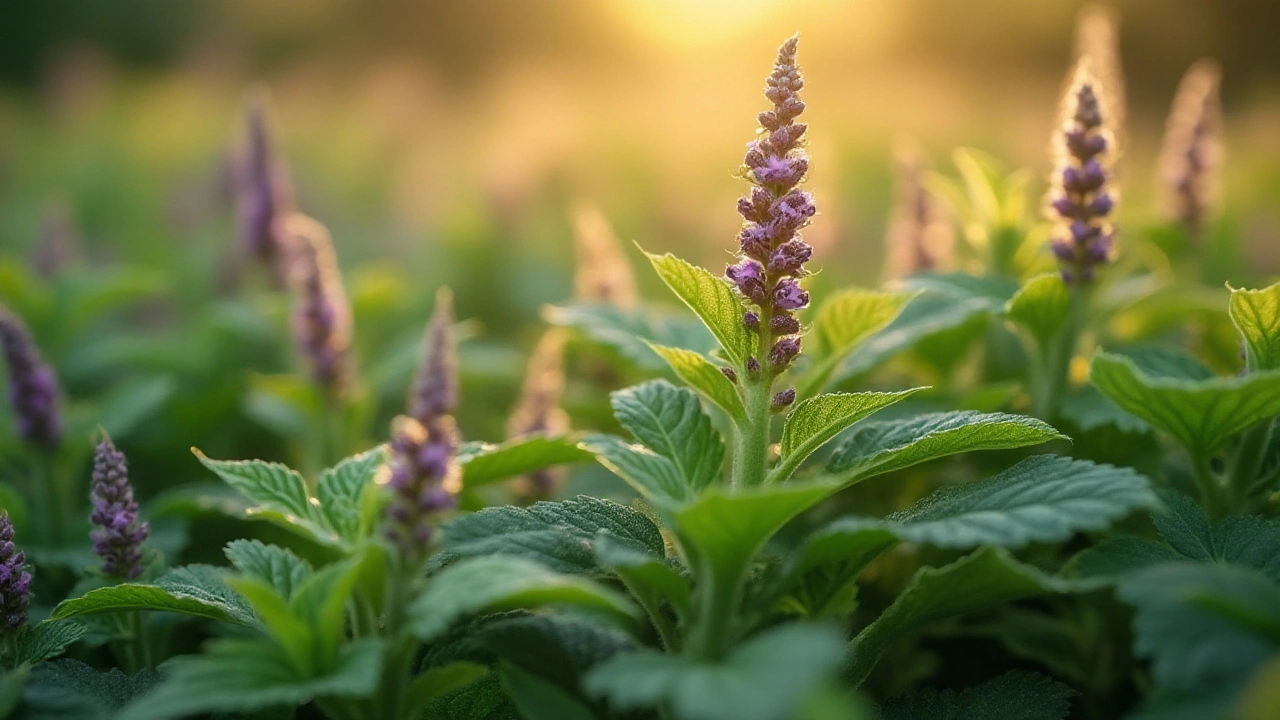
x,y
752,438
1054,359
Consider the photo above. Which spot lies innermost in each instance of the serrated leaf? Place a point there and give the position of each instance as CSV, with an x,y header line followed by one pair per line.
x,y
280,568
557,535
279,495
497,582
33,644
843,323
1256,315
1041,307
880,447
628,332
764,678
196,590
484,463
340,488
1016,695
670,421
705,377
815,421
711,299
1200,413
655,477
983,579
245,676
69,688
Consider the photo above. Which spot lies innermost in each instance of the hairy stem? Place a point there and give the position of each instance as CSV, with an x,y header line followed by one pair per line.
x,y
1055,359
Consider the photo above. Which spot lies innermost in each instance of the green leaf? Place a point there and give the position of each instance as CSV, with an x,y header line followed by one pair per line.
x,y
880,447
1256,315
484,463
12,683
196,590
705,377
69,688
497,582
1203,624
1201,413
995,291
1016,695
274,565
1041,307
440,681
245,676
646,575
341,487
33,644
983,579
558,535
279,495
815,421
765,678
537,699
655,477
628,332
925,317
842,324
670,421
483,699
711,299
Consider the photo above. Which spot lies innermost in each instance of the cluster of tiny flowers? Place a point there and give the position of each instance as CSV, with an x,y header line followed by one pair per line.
x,y
422,476
1080,199
538,411
33,387
15,581
118,532
263,192
773,255
322,314
1192,149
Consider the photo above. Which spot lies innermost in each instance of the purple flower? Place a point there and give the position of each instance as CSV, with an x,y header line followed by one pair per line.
x,y
1192,151
538,410
15,581
435,388
749,276
1081,197
118,533
783,399
784,351
322,314
787,295
33,387
263,191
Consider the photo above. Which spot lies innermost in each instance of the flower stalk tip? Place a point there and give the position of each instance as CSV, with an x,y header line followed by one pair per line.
x,y
435,387
1192,150
118,532
33,385
322,313
264,194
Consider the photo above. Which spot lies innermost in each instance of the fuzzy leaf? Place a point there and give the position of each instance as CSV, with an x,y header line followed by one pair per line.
x,y
646,575
1256,315
670,421
880,447
650,474
69,688
279,495
558,535
815,421
705,377
280,568
484,463
628,332
497,582
235,675
484,699
1202,413
1041,307
985,578
440,681
1016,695
538,699
927,316
196,590
711,299
341,487
765,678
33,644
843,323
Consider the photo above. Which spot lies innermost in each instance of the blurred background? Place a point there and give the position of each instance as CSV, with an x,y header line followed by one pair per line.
x,y
446,141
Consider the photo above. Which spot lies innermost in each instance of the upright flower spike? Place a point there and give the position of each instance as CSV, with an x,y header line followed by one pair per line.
x,y
422,475
33,386
1097,39
1081,196
919,237
435,387
1192,151
603,274
773,256
263,191
538,410
15,581
322,314
118,531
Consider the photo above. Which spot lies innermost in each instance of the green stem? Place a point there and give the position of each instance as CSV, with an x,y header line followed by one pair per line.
x,y
1247,463
752,437
1055,358
717,597
1210,488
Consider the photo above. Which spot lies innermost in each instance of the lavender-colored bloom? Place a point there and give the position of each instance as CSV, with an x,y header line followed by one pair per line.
x,y
322,314
435,388
263,191
782,400
538,410
1081,198
1192,151
15,581
773,255
118,532
33,386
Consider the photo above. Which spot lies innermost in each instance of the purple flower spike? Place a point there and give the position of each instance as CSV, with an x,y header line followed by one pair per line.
x,y
263,191
435,389
538,410
1082,197
118,533
422,479
33,386
15,581
322,314
1192,151
772,254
